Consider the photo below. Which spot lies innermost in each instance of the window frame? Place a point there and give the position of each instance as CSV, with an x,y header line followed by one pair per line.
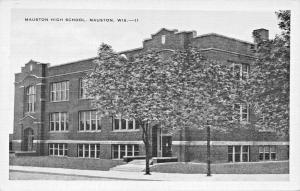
x,y
56,90
243,75
82,90
240,153
52,147
52,120
93,147
31,98
120,125
267,149
163,39
135,150
241,112
98,120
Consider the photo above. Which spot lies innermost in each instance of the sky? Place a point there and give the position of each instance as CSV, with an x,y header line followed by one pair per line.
x,y
58,42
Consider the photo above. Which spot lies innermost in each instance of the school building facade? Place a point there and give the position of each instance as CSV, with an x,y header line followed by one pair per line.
x,y
52,115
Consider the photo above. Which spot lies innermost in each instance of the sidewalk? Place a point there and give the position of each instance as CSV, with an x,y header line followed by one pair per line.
x,y
154,176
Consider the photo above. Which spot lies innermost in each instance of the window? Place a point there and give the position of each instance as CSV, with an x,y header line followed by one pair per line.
x,y
119,151
242,111
240,71
267,153
58,149
59,121
82,89
163,39
88,150
238,153
89,121
59,91
30,98
124,125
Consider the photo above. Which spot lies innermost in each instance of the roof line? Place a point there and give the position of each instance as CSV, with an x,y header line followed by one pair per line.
x,y
86,59
124,51
173,30
243,41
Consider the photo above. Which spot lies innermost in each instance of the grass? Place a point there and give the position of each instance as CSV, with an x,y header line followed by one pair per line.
x,y
275,167
64,162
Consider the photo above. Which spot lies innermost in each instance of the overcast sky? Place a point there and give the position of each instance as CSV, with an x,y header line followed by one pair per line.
x,y
62,41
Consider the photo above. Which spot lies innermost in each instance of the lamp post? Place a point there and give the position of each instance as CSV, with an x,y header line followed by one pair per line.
x,y
208,149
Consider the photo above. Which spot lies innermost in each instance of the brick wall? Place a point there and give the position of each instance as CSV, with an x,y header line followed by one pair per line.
x,y
217,47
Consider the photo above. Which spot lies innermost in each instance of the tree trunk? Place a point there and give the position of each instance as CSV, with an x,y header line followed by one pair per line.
x,y
208,150
147,159
147,145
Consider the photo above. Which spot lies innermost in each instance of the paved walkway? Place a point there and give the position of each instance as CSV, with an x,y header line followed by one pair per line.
x,y
133,166
155,176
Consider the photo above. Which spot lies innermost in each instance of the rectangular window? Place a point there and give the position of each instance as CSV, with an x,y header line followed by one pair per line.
x,y
267,153
124,124
119,151
31,98
163,39
59,121
59,91
230,153
241,112
89,121
80,150
238,153
58,149
240,71
88,150
82,88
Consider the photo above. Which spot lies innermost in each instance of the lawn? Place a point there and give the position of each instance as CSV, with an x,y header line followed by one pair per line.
x,y
275,167
64,162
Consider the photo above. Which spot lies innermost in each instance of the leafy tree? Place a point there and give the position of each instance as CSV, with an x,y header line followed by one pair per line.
x,y
269,86
206,93
135,89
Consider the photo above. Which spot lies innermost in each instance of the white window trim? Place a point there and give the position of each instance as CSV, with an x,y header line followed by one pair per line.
x,y
126,150
241,70
120,123
241,153
31,92
270,153
89,155
66,90
66,121
83,96
90,121
242,105
163,39
51,146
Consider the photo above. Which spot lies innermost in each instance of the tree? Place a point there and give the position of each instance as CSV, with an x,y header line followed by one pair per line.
x,y
206,93
269,85
138,89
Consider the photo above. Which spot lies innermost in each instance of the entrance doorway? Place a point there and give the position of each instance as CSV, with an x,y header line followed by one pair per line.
x,y
161,143
28,139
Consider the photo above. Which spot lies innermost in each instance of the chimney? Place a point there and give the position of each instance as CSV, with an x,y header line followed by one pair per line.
x,y
260,34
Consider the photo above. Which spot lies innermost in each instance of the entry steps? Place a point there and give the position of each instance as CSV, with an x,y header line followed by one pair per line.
x,y
133,166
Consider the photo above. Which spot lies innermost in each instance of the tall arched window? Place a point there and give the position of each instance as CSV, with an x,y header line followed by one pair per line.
x,y
30,98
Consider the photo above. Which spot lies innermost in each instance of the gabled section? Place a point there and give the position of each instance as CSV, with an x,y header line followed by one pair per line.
x,y
164,31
